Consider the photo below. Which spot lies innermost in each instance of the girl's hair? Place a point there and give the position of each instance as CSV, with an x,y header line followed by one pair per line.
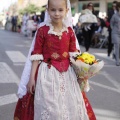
x,y
64,0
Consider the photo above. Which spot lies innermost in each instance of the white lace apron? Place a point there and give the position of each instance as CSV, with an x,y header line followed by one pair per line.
x,y
58,95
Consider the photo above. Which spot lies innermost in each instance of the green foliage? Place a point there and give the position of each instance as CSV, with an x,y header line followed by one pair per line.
x,y
31,8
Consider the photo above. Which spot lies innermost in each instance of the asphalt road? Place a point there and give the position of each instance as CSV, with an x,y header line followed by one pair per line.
x,y
104,94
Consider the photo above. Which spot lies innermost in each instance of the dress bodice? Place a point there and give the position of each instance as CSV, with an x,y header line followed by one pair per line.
x,y
55,49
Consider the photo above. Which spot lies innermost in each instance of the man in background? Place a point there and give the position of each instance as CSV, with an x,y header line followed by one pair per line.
x,y
110,14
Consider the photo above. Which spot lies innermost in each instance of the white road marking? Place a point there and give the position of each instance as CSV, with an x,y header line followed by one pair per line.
x,y
110,79
106,65
104,86
7,99
19,64
102,114
104,55
7,75
16,56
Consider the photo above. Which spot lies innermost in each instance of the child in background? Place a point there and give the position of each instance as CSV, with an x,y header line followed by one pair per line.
x,y
56,94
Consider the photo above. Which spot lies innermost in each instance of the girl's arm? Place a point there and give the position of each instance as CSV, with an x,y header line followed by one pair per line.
x,y
31,83
35,57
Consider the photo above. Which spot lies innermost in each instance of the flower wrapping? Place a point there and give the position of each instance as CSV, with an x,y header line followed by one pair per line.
x,y
86,66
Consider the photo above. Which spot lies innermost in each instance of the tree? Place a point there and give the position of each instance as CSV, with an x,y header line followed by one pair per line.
x,y
31,8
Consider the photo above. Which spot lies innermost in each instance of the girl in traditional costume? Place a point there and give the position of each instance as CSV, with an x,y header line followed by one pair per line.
x,y
49,89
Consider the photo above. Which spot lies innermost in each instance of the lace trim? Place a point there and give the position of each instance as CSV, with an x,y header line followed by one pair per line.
x,y
45,114
51,30
65,115
36,57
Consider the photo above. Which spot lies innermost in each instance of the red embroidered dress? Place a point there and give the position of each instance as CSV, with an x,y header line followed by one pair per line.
x,y
57,94
55,50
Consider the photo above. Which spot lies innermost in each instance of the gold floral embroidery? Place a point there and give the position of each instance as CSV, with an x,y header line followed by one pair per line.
x,y
65,54
55,55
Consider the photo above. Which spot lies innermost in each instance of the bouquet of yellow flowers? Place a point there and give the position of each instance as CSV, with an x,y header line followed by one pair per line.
x,y
86,66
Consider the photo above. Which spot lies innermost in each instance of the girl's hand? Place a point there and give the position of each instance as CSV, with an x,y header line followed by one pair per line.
x,y
81,80
31,86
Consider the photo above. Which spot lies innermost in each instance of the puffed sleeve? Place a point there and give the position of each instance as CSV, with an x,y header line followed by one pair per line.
x,y
36,54
72,48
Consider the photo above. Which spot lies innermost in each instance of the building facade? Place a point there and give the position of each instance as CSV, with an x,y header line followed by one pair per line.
x,y
23,3
101,6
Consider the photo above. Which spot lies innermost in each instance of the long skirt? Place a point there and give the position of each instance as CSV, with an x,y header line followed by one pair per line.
x,y
57,97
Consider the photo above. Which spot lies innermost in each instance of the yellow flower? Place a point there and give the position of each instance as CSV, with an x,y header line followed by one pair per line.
x,y
86,57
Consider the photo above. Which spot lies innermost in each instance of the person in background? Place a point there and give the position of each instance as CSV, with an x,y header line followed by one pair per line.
x,y
39,19
78,32
31,26
42,16
97,33
115,26
87,34
110,14
35,17
107,24
25,18
14,23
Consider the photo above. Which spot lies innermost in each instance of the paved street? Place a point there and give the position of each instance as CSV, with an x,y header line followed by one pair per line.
x,y
105,86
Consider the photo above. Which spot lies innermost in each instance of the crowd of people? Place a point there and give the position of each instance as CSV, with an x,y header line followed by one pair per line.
x,y
91,36
30,23
26,24
103,33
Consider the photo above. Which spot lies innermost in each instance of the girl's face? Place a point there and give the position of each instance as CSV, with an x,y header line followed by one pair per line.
x,y
57,10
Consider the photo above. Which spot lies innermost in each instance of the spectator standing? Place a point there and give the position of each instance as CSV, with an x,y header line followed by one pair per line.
x,y
24,23
42,16
35,17
87,34
115,26
31,26
78,32
107,24
14,23
97,33
110,14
